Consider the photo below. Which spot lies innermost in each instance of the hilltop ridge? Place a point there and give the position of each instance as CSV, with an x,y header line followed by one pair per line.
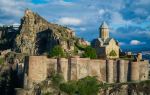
x,y
37,36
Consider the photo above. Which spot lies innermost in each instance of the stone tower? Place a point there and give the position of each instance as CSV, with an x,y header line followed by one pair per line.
x,y
104,31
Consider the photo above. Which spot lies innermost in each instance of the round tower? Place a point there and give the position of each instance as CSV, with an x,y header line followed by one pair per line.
x,y
109,71
121,71
134,71
104,31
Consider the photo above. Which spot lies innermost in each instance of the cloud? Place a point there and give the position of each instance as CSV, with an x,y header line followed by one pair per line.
x,y
12,10
127,19
136,42
101,12
69,21
83,29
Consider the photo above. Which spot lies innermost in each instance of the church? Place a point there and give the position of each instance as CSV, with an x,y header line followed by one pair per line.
x,y
106,47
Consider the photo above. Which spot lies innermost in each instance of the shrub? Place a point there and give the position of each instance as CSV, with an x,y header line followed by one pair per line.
x,y
57,79
90,52
57,51
88,86
85,86
69,87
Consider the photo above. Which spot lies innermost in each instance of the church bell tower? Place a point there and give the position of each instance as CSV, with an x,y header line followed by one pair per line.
x,y
104,31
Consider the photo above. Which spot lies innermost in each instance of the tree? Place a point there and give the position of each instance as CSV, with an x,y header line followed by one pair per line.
x,y
57,79
90,52
112,53
69,87
57,51
88,86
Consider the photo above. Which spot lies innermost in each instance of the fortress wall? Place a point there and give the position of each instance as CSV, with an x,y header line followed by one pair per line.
x,y
73,69
83,67
51,66
37,69
121,73
134,71
94,69
103,70
115,71
127,70
109,66
41,67
64,68
143,70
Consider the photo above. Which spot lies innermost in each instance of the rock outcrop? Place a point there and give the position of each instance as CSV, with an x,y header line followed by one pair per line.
x,y
37,36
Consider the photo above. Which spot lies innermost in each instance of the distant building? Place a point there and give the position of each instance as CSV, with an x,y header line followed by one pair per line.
x,y
105,46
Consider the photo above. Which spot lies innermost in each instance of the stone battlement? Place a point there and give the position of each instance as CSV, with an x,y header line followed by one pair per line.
x,y
38,68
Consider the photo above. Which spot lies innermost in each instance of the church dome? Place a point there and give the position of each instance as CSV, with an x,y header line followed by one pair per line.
x,y
104,25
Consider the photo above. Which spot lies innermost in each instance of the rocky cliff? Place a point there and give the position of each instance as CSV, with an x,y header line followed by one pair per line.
x,y
37,36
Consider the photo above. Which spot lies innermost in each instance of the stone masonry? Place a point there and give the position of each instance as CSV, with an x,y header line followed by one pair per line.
x,y
38,68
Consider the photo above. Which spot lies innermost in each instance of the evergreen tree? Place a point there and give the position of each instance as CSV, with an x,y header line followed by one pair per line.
x,y
90,52
57,51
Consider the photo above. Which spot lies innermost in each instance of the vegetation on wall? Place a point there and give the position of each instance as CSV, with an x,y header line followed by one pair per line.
x,y
56,52
90,86
112,53
69,87
57,79
89,52
86,86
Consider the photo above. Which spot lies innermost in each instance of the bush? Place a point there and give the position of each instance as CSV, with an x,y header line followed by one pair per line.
x,y
57,79
57,51
85,86
112,53
88,86
90,52
70,87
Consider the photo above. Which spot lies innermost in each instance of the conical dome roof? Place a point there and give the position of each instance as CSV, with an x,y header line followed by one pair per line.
x,y
104,25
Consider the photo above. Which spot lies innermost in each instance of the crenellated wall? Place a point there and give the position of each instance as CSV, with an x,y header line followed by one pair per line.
x,y
41,67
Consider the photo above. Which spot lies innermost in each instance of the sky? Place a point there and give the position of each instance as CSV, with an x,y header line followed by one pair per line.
x,y
128,20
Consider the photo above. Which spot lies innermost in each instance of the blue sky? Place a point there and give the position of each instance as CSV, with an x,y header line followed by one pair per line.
x,y
129,20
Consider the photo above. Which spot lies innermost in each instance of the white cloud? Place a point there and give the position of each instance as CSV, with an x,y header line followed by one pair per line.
x,y
83,29
16,24
60,2
118,19
136,42
101,12
69,21
12,7
146,33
